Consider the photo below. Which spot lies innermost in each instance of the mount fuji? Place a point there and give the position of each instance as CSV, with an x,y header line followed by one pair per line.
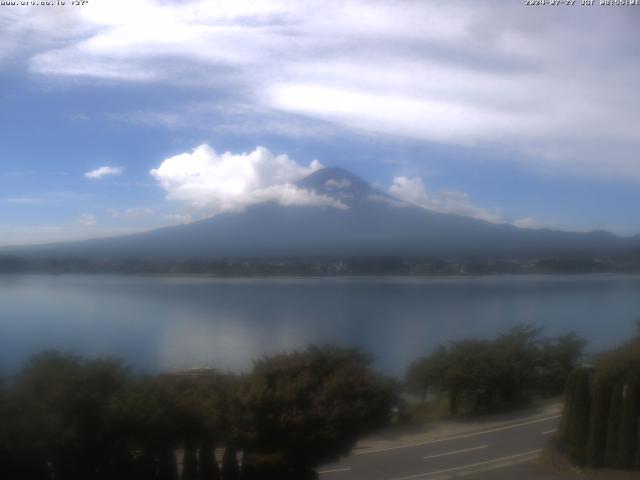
x,y
359,220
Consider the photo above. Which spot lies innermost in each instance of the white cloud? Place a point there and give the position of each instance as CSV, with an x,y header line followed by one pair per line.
x,y
98,173
338,184
445,201
568,225
24,200
38,234
44,198
229,118
457,72
216,182
529,222
178,218
135,213
87,220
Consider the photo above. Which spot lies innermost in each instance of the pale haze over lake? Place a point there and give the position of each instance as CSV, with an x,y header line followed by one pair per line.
x,y
159,323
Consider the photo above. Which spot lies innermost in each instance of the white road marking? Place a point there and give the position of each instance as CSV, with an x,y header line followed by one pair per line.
x,y
491,467
458,437
547,432
528,454
334,470
455,452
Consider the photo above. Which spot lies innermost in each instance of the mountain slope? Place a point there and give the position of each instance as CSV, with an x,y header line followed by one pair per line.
x,y
372,223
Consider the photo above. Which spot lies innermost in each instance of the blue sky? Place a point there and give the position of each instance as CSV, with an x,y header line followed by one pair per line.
x,y
482,108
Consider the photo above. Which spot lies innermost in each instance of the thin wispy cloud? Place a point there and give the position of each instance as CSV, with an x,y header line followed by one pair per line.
x,y
460,73
45,198
24,200
87,220
229,118
105,171
31,234
413,190
529,222
130,214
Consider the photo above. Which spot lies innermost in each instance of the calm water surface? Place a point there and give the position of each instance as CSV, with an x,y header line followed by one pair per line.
x,y
176,322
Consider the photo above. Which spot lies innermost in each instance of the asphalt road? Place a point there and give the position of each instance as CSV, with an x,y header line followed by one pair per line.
x,y
506,451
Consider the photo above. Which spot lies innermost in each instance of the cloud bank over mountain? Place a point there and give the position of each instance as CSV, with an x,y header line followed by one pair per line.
x,y
216,183
212,183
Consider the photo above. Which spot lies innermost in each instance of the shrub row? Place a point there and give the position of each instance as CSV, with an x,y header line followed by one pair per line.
x,y
64,418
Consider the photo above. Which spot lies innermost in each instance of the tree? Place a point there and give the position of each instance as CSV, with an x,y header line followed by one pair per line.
x,y
519,361
466,369
579,419
613,424
208,465
189,463
69,404
569,407
71,419
628,426
598,422
505,371
559,357
472,374
230,469
307,408
149,419
427,374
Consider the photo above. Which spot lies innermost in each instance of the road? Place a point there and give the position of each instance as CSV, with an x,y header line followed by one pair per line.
x,y
504,451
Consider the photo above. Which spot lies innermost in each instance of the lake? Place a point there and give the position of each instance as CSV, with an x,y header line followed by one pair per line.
x,y
163,322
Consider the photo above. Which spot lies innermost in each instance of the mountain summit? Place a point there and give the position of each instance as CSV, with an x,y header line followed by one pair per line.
x,y
339,184
363,222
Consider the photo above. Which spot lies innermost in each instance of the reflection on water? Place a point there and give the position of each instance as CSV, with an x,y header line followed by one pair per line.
x,y
177,322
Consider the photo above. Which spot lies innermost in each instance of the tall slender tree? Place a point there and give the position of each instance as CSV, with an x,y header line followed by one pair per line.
x,y
629,426
189,463
613,424
598,422
208,465
579,426
568,410
230,468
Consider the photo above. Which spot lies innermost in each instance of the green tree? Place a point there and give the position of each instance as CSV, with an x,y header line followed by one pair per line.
x,y
68,402
559,357
230,469
569,407
508,370
427,374
613,424
519,362
207,463
189,463
307,408
628,426
598,422
579,420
